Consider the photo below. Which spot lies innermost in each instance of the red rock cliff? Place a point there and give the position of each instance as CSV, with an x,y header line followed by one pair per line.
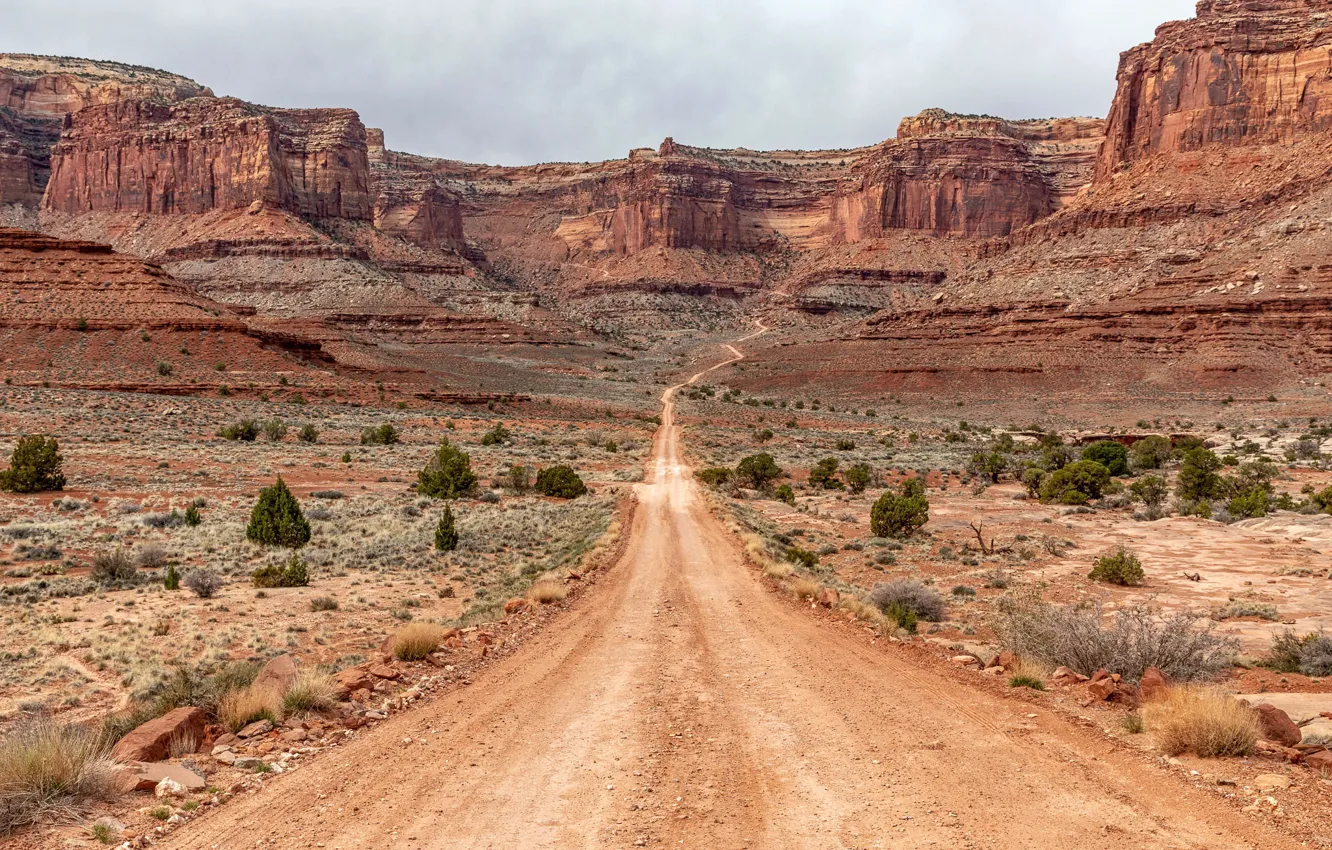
x,y
208,154
1241,72
409,203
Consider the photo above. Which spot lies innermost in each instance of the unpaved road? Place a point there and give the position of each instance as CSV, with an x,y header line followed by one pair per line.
x,y
679,704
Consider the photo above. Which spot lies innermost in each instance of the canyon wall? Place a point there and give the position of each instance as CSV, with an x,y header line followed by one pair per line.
x,y
207,154
1242,72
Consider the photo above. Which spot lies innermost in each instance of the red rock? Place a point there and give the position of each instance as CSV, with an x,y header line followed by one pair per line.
x,y
147,776
1241,72
1007,660
829,597
1100,675
278,674
1153,684
153,740
383,671
1275,725
1320,761
515,606
350,680
1101,689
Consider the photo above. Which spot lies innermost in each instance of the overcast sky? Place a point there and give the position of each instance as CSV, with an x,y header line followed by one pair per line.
x,y
522,81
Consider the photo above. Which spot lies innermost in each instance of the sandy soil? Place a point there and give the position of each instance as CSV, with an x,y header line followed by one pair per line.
x,y
680,704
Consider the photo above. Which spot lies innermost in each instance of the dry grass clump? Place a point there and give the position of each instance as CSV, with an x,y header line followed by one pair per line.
x,y
243,706
415,641
803,588
547,591
1203,721
47,768
312,691
861,609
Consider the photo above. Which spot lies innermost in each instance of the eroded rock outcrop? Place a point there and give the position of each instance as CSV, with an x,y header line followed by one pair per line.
x,y
1241,72
409,203
209,154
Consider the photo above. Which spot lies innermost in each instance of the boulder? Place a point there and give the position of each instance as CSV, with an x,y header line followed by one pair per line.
x,y
515,606
1320,761
1007,660
1153,684
149,777
383,671
278,674
1065,676
153,740
829,597
1275,725
169,787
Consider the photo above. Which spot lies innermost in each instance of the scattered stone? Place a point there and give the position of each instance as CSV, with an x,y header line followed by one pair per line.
x,y
351,680
257,728
169,787
1271,782
383,671
965,660
247,763
148,777
153,740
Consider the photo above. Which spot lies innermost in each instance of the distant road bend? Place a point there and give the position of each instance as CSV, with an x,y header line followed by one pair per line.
x,y
679,704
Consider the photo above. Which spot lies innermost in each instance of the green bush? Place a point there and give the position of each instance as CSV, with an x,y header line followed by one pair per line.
x,y
34,467
446,533
802,557
497,435
274,430
192,517
1149,453
920,599
520,478
989,465
1255,503
560,482
277,519
1075,484
757,471
384,435
786,494
1110,454
1151,490
171,579
292,574
900,515
1120,567
246,431
714,476
308,434
447,475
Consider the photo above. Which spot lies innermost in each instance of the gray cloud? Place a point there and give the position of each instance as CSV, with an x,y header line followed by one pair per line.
x,y
520,81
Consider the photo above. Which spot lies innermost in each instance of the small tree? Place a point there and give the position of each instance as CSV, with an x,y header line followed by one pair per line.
x,y
246,431
171,580
858,477
277,519
520,478
192,517
1110,454
292,574
1150,453
308,433
900,515
447,475
989,465
715,476
1120,567
446,534
1151,490
34,467
560,482
1199,477
786,494
824,475
756,471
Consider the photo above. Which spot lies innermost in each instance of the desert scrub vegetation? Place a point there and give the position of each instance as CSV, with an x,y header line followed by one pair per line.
x,y
1201,720
447,474
1119,567
34,467
907,601
1182,644
547,590
381,435
277,519
48,768
312,691
900,514
114,568
294,573
415,641
446,532
241,706
560,482
1310,654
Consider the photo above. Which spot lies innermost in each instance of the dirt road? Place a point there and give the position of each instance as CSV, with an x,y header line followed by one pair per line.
x,y
679,704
